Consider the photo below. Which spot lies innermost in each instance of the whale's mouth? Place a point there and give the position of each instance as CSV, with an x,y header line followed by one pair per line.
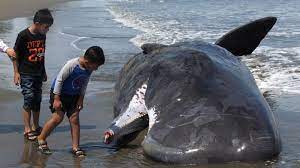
x,y
133,120
121,131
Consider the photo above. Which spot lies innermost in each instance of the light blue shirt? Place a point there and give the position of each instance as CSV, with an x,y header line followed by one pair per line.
x,y
72,79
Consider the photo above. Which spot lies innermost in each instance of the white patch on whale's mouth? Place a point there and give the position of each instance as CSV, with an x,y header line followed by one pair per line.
x,y
136,109
152,113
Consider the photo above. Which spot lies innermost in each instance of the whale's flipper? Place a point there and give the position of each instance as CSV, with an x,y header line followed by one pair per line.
x,y
244,39
149,47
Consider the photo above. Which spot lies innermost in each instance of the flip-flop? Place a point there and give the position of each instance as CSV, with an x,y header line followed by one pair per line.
x,y
43,147
30,136
78,152
38,131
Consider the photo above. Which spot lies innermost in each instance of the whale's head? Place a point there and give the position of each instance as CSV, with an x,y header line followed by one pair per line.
x,y
166,78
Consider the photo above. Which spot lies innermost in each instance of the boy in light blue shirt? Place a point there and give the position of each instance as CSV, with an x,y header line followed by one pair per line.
x,y
67,94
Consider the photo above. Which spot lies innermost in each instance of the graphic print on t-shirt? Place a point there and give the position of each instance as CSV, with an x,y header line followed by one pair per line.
x,y
72,79
37,50
30,49
79,81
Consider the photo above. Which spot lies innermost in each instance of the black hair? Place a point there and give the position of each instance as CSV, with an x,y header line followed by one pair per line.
x,y
95,54
43,16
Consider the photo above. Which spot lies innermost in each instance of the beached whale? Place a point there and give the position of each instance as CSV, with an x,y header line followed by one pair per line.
x,y
199,101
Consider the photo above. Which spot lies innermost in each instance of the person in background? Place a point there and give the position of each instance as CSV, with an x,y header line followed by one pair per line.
x,y
5,49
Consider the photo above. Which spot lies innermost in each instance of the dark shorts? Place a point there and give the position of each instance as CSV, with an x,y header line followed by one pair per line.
x,y
32,91
69,103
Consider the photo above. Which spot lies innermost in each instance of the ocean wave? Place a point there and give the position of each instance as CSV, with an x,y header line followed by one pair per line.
x,y
285,33
274,68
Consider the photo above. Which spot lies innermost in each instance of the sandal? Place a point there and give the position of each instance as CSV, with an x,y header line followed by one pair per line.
x,y
78,152
43,147
38,131
30,136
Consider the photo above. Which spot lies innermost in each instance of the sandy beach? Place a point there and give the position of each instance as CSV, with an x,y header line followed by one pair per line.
x,y
16,8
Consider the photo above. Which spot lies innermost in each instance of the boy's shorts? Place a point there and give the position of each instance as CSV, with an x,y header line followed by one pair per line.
x,y
32,91
68,102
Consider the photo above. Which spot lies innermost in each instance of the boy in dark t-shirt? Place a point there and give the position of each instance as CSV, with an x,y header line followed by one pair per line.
x,y
29,69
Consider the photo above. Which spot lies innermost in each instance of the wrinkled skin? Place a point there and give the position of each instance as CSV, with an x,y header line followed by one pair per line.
x,y
202,104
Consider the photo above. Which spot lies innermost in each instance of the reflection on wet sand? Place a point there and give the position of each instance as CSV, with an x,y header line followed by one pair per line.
x,y
31,155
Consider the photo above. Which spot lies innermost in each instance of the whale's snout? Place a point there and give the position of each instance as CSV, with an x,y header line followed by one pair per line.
x,y
108,136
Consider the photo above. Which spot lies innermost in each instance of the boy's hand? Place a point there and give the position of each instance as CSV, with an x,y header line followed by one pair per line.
x,y
45,77
57,103
11,53
79,105
17,79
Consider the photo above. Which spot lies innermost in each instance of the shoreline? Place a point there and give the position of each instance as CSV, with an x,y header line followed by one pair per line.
x,y
10,9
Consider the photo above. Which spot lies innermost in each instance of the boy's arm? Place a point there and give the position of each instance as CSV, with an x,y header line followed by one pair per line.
x,y
80,102
82,93
61,77
17,48
17,79
9,51
44,73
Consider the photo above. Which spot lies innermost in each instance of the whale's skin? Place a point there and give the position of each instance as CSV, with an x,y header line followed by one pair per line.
x,y
199,101
202,102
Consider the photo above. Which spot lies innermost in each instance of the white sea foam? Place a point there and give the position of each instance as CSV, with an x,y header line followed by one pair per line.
x,y
276,68
76,40
154,31
285,33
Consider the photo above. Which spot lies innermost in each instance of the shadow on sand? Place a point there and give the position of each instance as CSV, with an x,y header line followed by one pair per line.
x,y
11,128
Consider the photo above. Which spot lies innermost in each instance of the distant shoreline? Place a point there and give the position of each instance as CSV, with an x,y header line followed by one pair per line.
x,y
10,9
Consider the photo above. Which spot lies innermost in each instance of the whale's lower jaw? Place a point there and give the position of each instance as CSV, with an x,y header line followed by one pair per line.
x,y
201,155
135,117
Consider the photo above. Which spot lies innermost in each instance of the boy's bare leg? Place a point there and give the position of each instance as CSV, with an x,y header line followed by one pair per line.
x,y
75,129
26,117
36,117
55,119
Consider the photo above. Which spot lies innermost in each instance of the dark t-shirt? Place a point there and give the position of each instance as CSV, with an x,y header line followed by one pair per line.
x,y
30,49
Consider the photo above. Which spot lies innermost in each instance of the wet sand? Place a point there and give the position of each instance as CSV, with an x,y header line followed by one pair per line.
x,y
17,152
95,117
